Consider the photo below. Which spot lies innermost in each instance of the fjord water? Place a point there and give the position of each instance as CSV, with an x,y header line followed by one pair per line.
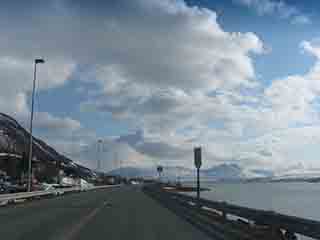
x,y
297,199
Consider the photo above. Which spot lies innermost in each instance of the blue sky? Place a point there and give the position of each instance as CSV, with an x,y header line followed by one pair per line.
x,y
149,71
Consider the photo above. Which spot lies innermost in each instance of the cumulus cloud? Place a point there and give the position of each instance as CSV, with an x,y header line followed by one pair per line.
x,y
294,97
166,76
290,121
46,121
311,47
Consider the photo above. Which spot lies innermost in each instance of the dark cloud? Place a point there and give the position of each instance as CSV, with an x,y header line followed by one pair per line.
x,y
159,150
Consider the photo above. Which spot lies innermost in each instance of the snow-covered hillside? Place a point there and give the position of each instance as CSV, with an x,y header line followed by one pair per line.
x,y
14,139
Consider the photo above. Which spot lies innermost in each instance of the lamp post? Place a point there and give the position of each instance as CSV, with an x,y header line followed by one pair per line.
x,y
99,150
36,61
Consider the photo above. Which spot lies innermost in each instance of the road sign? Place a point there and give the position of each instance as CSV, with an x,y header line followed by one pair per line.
x,y
197,163
159,169
197,157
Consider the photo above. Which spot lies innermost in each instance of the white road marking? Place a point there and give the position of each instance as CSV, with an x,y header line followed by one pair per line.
x,y
75,229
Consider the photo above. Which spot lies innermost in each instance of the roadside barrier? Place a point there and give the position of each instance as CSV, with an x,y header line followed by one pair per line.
x,y
12,197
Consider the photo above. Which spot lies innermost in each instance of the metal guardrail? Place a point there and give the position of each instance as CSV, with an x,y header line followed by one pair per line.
x,y
26,195
305,227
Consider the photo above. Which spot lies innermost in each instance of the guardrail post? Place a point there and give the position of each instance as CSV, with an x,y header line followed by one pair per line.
x,y
198,163
198,187
224,215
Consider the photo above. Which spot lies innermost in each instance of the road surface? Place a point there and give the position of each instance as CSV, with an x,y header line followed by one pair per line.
x,y
114,214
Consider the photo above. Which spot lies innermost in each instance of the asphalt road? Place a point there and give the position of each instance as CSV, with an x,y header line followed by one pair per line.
x,y
113,214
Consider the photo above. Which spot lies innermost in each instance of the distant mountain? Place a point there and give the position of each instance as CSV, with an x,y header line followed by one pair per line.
x,y
298,177
133,172
298,172
169,173
15,139
222,172
261,173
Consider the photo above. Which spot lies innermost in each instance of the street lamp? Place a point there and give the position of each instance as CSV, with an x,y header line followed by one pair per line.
x,y
36,61
100,142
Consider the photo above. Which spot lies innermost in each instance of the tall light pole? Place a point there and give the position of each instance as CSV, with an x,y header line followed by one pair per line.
x,y
36,61
100,142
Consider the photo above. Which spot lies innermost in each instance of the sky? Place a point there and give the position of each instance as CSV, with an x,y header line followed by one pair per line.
x,y
153,79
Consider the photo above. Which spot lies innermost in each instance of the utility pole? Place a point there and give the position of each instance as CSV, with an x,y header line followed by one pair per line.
x,y
36,61
117,163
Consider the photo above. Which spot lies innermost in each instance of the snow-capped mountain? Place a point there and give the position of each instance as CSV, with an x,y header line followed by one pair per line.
x,y
224,172
215,173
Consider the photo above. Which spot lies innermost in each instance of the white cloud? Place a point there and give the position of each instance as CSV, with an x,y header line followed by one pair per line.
x,y
170,65
281,150
276,7
311,47
46,121
301,19
293,97
289,122
112,155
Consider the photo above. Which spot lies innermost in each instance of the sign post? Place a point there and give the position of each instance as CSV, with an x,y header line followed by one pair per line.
x,y
197,163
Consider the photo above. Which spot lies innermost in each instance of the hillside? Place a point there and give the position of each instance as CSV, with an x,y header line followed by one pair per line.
x,y
14,139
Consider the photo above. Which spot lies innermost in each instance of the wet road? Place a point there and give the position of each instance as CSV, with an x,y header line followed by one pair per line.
x,y
113,214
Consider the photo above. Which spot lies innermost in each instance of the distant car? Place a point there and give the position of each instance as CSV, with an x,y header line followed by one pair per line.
x,y
3,189
48,187
56,188
132,182
7,187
